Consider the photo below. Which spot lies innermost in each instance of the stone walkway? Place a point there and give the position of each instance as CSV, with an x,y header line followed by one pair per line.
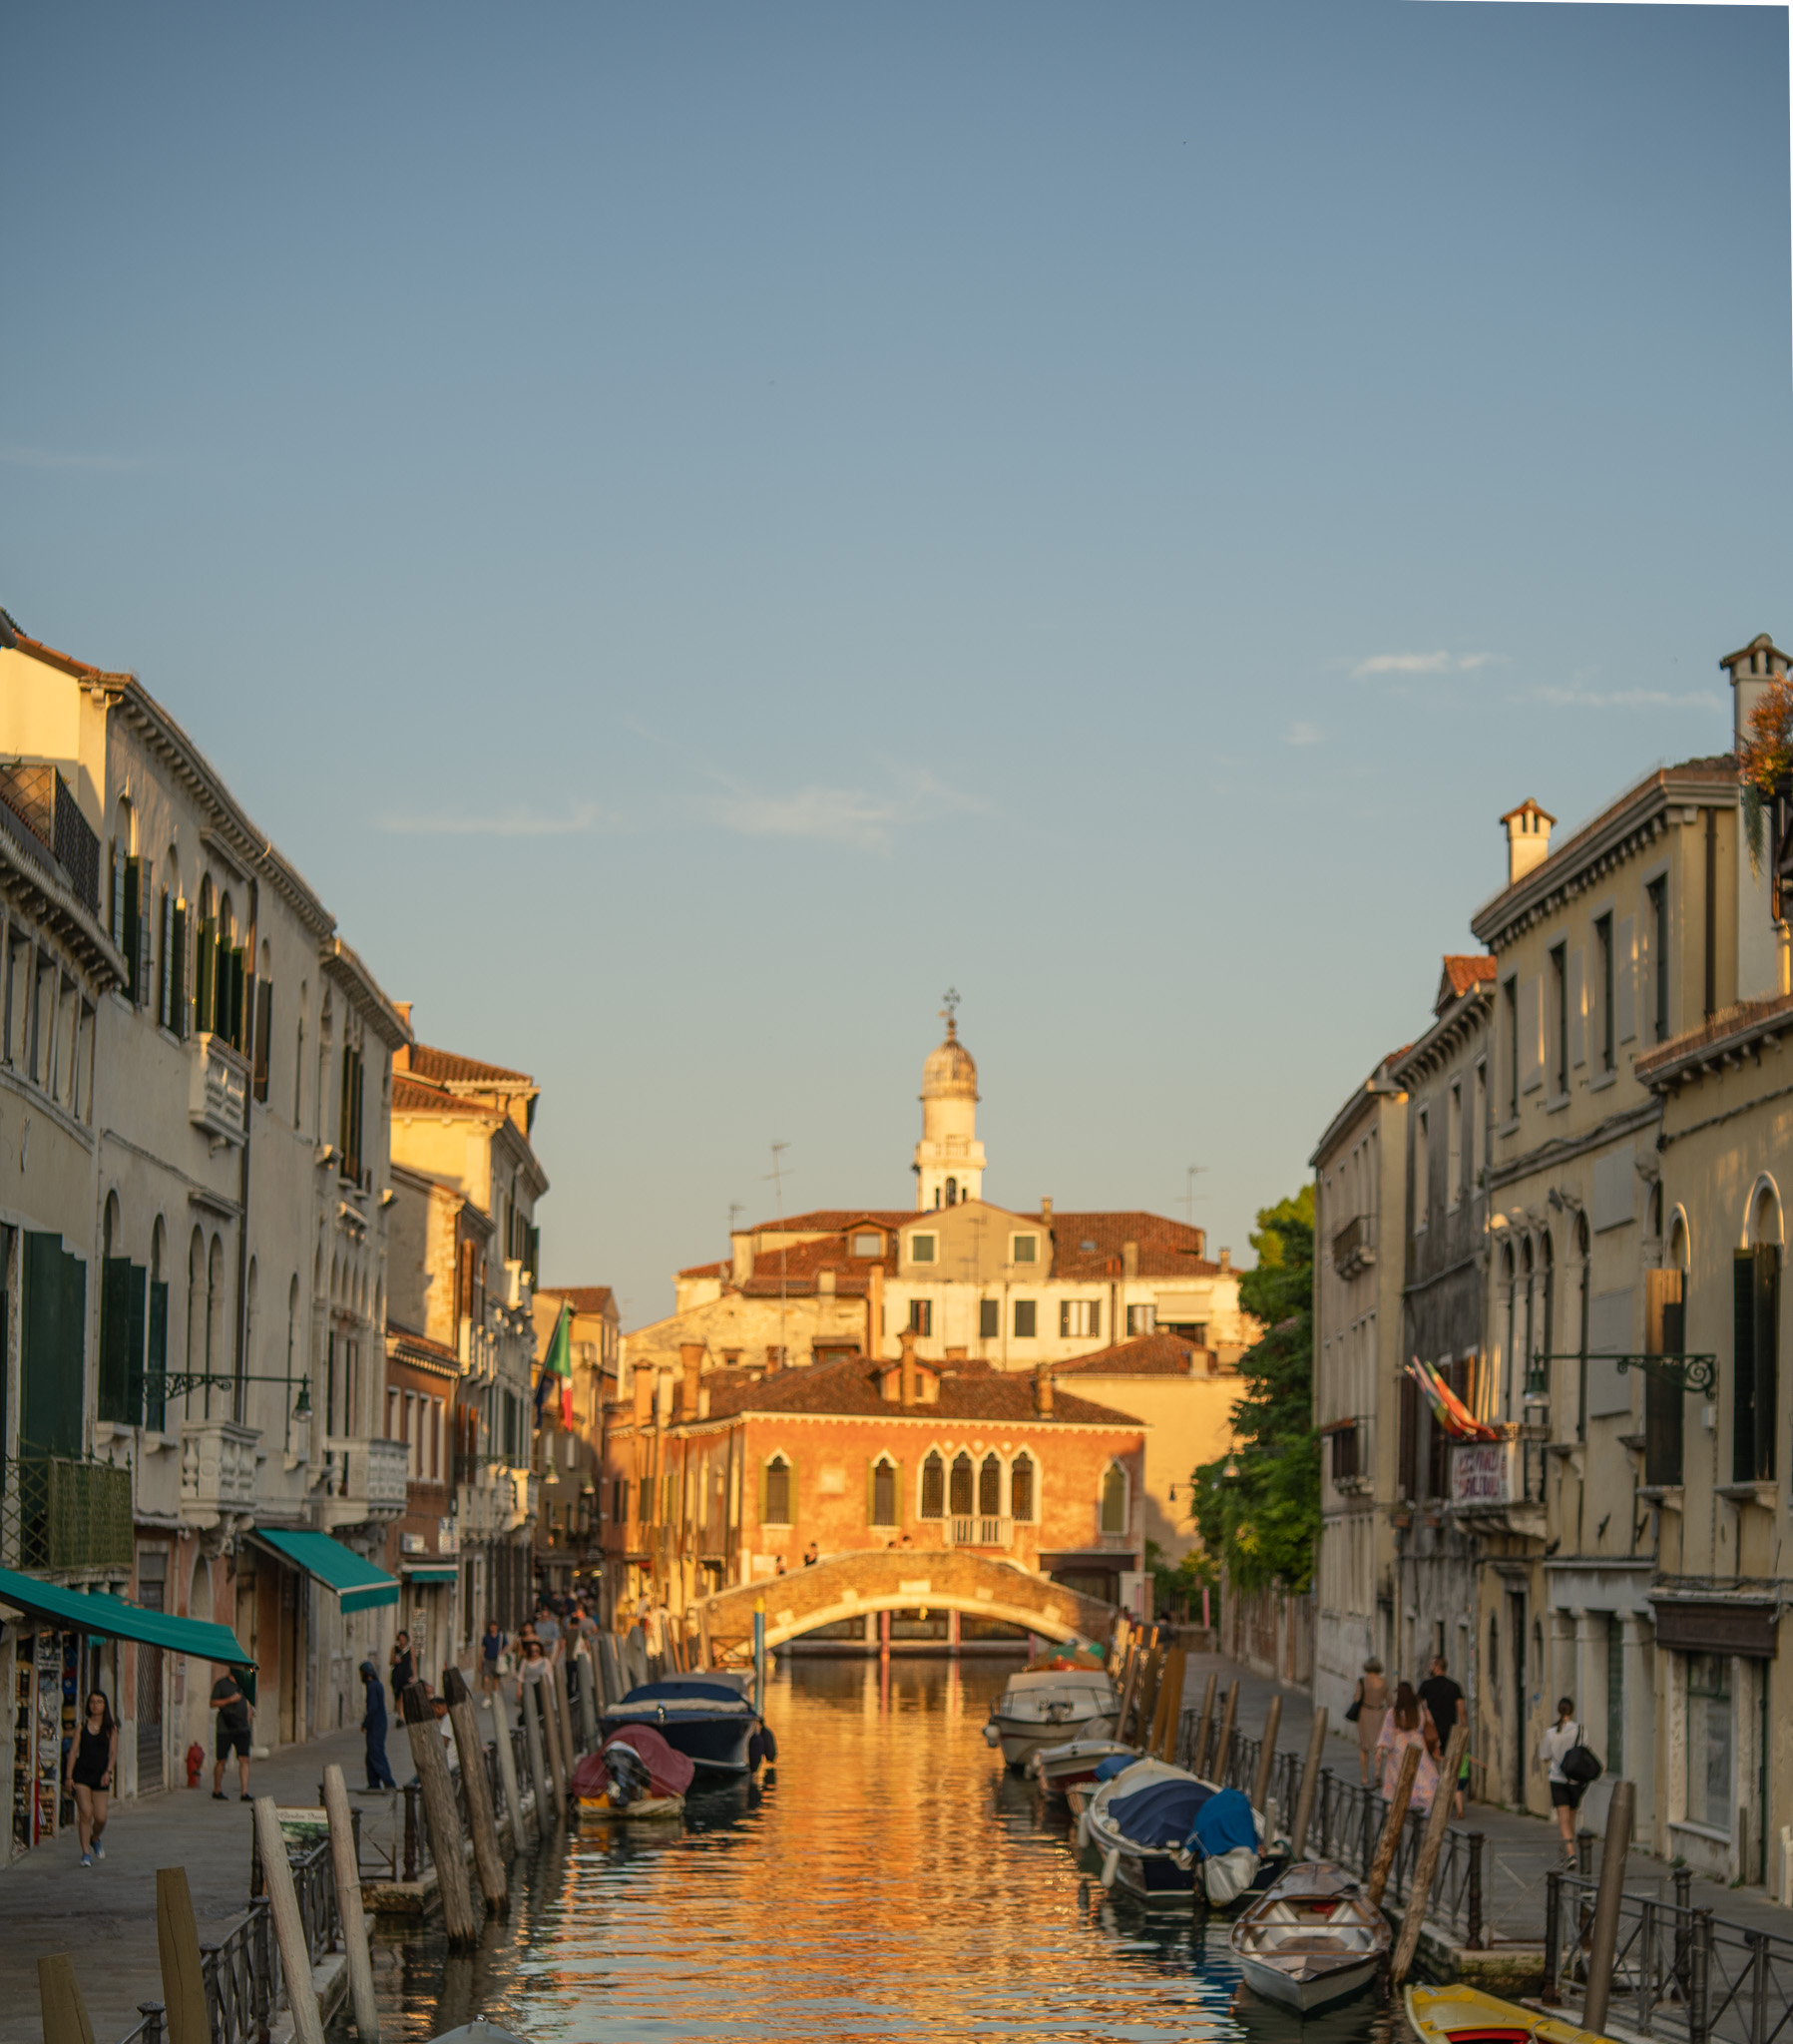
x,y
1520,1848
103,1916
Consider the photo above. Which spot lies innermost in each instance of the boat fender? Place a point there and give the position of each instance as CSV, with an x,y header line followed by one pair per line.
x,y
755,1751
768,1739
1110,1865
992,1736
1082,1828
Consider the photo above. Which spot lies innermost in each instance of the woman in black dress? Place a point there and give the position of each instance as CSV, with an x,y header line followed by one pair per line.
x,y
93,1763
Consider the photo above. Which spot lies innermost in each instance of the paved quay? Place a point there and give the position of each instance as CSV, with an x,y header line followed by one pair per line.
x,y
1520,1848
103,1916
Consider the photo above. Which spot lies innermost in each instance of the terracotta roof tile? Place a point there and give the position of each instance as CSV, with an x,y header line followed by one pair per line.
x,y
1467,970
409,1096
848,1386
704,1269
449,1068
1167,1248
1146,1355
835,1219
583,1298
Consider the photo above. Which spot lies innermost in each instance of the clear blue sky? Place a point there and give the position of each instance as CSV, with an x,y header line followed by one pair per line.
x,y
698,526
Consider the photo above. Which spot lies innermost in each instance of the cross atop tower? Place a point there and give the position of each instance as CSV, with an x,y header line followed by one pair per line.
x,y
950,1011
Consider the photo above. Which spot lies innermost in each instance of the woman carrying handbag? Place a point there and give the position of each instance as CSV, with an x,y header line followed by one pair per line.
x,y
1369,1706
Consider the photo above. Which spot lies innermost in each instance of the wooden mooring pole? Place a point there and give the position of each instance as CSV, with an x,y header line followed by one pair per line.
x,y
1217,1771
507,1768
538,1766
1310,1784
346,1869
1431,1845
482,1818
569,1749
1203,1726
59,1994
1608,1898
1390,1841
441,1818
289,1927
1266,1758
1171,1703
177,1947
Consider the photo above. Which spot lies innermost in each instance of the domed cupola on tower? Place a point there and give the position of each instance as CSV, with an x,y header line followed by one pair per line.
x,y
949,1159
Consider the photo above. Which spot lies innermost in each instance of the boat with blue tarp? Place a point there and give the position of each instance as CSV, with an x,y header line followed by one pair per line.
x,y
704,1717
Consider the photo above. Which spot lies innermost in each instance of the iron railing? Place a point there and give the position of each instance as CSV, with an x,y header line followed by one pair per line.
x,y
1346,1822
63,1512
1678,1971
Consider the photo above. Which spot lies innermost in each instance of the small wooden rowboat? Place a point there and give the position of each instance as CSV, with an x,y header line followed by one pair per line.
x,y
1311,1941
1465,2015
1059,1768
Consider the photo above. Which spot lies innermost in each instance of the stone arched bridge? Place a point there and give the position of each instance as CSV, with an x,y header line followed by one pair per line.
x,y
940,1579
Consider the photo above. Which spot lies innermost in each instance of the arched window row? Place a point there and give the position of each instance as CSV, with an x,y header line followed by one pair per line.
x,y
986,1486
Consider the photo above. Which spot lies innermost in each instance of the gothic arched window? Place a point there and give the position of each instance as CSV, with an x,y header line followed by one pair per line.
x,y
1114,1499
990,1488
962,1485
777,1492
1021,1489
933,1486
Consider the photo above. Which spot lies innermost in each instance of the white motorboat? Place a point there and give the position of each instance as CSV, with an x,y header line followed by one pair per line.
x,y
1060,1769
1048,1707
1312,1941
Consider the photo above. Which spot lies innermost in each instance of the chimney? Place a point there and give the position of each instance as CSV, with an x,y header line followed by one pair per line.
x,y
874,1311
1527,839
824,1283
1043,1392
909,1387
775,1358
743,1258
691,1355
1751,669
1130,1259
1226,1259
1046,1211
643,1397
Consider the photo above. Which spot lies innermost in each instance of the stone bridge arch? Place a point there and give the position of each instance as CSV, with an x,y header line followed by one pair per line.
x,y
942,1579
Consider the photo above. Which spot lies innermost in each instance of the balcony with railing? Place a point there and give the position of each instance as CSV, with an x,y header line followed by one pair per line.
x,y
364,1480
43,801
217,1469
1354,1246
979,1529
1501,1482
63,1512
217,1087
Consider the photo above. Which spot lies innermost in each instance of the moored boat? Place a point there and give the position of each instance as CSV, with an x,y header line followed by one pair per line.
x,y
703,1717
1048,1707
1465,2015
1059,1768
1311,1941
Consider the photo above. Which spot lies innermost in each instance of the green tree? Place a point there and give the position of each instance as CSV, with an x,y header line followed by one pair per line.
x,y
1258,1508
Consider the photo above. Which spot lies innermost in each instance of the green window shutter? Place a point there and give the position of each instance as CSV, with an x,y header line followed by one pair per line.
x,y
205,977
871,1490
233,966
765,1483
1743,1343
129,914
115,1340
1767,1347
140,959
264,1023
156,1403
140,1282
53,1345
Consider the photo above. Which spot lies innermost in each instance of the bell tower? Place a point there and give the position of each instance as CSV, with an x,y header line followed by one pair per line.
x,y
949,1159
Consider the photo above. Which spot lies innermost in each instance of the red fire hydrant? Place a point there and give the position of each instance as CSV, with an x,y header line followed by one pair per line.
x,y
196,1761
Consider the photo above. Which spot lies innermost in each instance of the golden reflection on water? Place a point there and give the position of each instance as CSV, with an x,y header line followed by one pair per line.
x,y
888,1880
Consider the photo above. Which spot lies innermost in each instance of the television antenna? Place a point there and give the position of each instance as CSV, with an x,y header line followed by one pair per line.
x,y
1194,1172
777,1177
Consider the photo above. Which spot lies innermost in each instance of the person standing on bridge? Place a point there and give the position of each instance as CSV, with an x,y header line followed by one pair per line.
x,y
810,1556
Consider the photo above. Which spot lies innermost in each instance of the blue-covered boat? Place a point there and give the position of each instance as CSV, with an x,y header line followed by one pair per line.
x,y
1163,1833
703,1717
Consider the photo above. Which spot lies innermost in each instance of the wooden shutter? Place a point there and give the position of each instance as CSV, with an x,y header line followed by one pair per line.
x,y
115,1340
140,957
177,979
233,964
119,862
126,919
1664,1402
1766,1290
52,1337
205,977
264,1022
1743,1366
156,1401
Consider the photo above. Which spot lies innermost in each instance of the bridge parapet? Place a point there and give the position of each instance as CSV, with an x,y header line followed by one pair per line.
x,y
938,1578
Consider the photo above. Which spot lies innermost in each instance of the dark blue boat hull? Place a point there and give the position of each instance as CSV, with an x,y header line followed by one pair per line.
x,y
725,1744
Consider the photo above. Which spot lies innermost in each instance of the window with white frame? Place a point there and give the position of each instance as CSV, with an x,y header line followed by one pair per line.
x,y
1080,1316
1142,1319
924,1249
1023,1248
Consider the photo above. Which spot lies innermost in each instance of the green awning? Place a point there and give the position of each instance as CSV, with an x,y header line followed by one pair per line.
x,y
431,1571
358,1583
112,1618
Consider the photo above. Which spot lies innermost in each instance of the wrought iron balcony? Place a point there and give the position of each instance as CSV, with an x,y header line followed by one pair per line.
x,y
63,1512
1353,1455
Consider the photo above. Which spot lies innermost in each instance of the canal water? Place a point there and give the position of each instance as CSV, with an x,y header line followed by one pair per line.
x,y
888,1880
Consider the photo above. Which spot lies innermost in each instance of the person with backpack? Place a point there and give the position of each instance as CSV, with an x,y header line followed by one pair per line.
x,y
1560,1753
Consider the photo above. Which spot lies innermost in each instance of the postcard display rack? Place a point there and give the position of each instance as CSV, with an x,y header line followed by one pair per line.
x,y
46,1671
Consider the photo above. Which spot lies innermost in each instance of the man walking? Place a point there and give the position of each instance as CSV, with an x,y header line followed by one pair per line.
x,y
373,1725
234,1713
1444,1699
491,1650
